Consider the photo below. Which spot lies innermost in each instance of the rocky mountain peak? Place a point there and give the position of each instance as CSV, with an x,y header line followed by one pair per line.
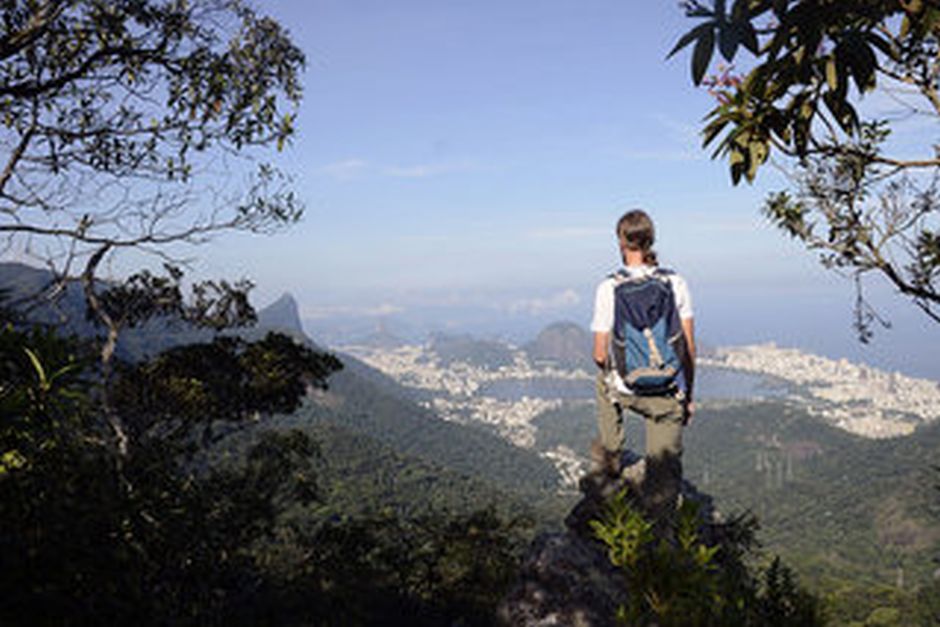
x,y
281,315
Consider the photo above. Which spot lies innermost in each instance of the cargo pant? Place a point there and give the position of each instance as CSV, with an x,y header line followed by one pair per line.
x,y
664,417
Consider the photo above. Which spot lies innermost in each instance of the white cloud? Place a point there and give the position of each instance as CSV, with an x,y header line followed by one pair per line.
x,y
425,170
680,130
344,170
535,306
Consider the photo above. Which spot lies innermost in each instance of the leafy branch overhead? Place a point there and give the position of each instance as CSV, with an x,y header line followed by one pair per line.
x,y
139,124
807,67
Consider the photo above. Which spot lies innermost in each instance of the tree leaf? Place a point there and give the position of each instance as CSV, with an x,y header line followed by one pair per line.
x,y
736,171
728,38
843,112
749,37
931,19
778,123
702,56
691,36
882,44
37,366
832,73
739,10
862,62
757,153
720,10
801,135
905,27
712,130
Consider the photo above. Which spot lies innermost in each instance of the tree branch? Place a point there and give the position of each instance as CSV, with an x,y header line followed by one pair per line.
x,y
33,88
35,27
831,150
17,153
107,351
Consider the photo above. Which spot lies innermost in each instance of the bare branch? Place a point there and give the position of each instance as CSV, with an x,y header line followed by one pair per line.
x,y
107,350
18,152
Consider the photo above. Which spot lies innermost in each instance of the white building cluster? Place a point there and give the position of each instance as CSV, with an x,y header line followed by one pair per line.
x,y
857,398
512,420
417,366
570,465
456,394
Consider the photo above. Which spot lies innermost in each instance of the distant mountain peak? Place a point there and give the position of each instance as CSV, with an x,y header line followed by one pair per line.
x,y
382,337
284,300
565,343
281,315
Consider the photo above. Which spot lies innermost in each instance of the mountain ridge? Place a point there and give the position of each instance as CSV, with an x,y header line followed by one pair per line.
x,y
564,343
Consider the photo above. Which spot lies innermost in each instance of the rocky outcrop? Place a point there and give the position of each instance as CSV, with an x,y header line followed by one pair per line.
x,y
566,578
567,581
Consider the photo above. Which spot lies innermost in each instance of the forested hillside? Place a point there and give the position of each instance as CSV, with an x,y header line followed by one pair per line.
x,y
365,401
859,519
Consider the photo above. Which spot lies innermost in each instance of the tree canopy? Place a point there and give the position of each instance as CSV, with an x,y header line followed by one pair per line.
x,y
134,123
859,199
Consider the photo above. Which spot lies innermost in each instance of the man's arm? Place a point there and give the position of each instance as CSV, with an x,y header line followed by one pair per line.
x,y
601,342
688,363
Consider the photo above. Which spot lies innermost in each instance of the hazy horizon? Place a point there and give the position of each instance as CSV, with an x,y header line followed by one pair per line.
x,y
908,346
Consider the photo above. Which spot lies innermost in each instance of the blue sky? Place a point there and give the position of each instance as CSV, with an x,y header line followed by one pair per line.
x,y
473,156
491,146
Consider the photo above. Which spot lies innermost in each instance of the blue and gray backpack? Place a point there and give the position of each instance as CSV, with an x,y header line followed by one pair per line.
x,y
646,333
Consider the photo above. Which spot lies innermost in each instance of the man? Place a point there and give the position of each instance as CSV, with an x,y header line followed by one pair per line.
x,y
660,391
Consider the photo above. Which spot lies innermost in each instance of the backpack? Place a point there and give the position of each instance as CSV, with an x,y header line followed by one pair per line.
x,y
646,333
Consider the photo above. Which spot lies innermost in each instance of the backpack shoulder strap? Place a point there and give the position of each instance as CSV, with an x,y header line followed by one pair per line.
x,y
622,276
663,273
619,276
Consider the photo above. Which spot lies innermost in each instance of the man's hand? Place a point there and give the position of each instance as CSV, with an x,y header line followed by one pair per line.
x,y
688,409
601,342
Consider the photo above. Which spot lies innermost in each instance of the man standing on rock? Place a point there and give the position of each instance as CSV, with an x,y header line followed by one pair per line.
x,y
644,345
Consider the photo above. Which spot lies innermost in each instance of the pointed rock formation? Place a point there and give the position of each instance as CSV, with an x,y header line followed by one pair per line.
x,y
281,315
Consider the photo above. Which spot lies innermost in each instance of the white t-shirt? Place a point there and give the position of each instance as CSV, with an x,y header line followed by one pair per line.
x,y
603,320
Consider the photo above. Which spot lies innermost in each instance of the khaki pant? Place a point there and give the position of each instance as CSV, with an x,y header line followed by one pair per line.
x,y
664,417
